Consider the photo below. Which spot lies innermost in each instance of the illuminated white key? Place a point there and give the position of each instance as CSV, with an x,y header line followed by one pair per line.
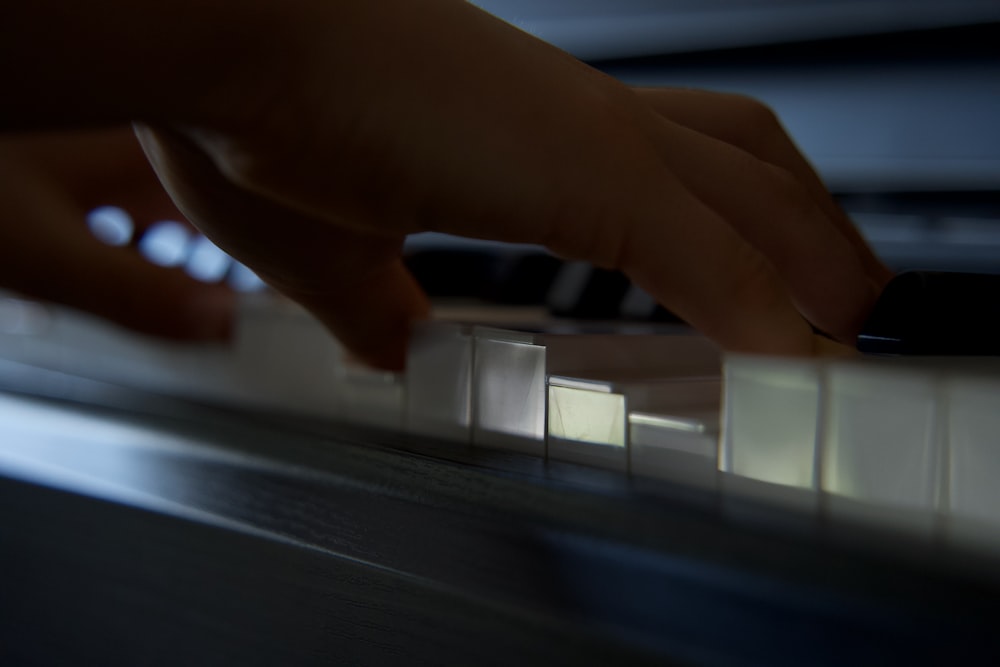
x,y
973,483
883,449
588,423
770,419
508,391
592,420
438,377
974,463
510,371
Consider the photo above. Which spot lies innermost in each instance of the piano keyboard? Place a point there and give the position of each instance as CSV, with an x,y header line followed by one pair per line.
x,y
904,443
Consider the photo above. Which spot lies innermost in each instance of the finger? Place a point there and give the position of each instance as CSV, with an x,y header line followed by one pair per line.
x,y
371,315
750,125
46,253
354,283
768,207
725,288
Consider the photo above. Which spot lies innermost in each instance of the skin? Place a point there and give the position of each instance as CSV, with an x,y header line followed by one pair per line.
x,y
48,183
309,139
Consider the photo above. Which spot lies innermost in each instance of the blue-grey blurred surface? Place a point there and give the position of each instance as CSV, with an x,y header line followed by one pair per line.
x,y
604,29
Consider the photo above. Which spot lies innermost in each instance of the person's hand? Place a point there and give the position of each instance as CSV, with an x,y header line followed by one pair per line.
x,y
47,185
393,117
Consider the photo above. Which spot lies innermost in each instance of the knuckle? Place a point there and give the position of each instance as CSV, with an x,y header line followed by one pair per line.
x,y
753,112
755,123
594,232
753,282
591,210
789,194
757,113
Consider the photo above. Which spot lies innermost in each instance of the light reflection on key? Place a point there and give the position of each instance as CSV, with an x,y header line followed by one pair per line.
x,y
643,424
587,423
509,391
511,370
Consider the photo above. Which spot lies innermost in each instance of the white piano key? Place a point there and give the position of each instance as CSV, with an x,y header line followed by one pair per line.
x,y
510,371
884,441
676,435
285,359
974,463
69,341
680,448
371,397
587,423
771,412
509,391
438,379
591,420
281,359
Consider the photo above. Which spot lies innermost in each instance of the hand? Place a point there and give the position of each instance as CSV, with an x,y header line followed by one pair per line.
x,y
394,117
48,183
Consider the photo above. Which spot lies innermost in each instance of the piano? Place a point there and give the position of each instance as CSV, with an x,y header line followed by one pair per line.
x,y
543,485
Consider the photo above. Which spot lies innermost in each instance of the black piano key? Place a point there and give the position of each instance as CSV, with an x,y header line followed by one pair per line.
x,y
574,290
583,291
638,304
454,273
931,313
523,278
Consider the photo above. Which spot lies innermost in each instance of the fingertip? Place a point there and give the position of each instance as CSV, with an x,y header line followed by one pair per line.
x,y
381,346
387,354
373,319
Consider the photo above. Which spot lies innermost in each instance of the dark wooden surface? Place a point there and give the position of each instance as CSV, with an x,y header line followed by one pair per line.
x,y
135,530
